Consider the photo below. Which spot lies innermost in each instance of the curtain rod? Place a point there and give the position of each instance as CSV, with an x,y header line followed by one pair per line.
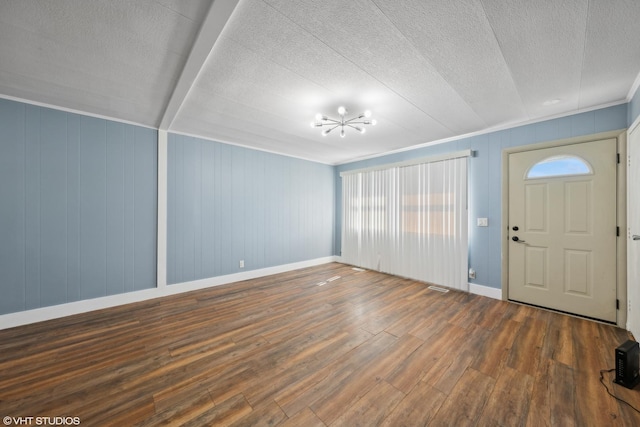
x,y
412,162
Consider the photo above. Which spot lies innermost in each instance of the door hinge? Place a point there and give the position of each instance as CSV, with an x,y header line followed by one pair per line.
x,y
617,231
617,304
618,157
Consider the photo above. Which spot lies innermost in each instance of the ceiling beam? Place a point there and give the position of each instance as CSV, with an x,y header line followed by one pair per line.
x,y
212,26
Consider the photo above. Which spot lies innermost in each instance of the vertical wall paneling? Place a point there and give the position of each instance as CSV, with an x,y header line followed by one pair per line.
x,y
172,258
479,206
239,203
93,208
224,198
489,238
145,206
129,207
31,236
208,210
274,204
634,108
53,207
12,206
78,211
115,254
227,203
74,284
485,178
162,226
584,123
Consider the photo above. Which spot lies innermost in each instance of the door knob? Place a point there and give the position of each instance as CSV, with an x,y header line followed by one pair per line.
x,y
517,240
515,228
635,237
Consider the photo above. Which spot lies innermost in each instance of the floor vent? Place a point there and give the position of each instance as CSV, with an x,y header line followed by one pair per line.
x,y
436,288
330,279
358,269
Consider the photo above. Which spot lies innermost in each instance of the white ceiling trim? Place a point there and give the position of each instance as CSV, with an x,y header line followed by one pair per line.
x,y
74,111
253,148
634,88
485,131
357,159
212,26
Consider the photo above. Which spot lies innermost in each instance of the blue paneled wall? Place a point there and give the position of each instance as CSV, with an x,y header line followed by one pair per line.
x,y
78,203
227,203
485,180
634,108
78,207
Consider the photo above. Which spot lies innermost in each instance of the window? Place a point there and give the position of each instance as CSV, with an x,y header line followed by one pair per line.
x,y
409,220
564,165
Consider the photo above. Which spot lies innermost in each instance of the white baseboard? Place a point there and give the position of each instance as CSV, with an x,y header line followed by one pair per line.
x,y
485,291
56,311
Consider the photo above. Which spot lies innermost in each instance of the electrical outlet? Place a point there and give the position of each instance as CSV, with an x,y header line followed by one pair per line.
x,y
472,273
241,263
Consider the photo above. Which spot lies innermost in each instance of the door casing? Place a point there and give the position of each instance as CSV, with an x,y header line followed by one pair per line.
x,y
633,248
621,182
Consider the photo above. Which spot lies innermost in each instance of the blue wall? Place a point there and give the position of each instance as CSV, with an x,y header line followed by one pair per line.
x,y
634,108
77,207
78,204
485,177
227,203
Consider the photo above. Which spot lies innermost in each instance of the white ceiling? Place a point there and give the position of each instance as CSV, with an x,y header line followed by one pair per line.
x,y
255,72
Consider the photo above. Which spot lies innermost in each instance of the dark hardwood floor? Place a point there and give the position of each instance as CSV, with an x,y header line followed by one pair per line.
x,y
365,349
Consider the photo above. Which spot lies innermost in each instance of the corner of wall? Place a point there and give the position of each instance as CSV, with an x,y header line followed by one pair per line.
x,y
633,107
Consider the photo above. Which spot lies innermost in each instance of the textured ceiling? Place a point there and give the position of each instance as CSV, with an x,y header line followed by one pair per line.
x,y
255,72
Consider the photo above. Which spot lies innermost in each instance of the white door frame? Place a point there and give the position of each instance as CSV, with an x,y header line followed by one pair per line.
x,y
633,324
621,281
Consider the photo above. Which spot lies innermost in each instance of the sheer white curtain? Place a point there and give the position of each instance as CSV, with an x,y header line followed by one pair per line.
x,y
409,220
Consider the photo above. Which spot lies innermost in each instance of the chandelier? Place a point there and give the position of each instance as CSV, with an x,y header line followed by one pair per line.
x,y
342,122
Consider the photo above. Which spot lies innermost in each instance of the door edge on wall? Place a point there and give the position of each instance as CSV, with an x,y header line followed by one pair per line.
x,y
632,323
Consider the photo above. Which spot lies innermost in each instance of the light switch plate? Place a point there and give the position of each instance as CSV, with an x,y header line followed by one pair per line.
x,y
483,222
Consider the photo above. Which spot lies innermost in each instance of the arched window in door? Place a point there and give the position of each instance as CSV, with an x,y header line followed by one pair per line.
x,y
563,165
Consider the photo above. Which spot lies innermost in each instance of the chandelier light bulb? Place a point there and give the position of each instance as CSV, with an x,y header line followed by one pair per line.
x,y
367,113
318,117
374,122
313,124
342,110
363,130
342,133
326,132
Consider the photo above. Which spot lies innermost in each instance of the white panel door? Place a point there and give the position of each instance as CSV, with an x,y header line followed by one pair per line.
x,y
562,228
633,243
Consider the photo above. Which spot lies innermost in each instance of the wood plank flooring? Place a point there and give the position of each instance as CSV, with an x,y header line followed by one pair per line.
x,y
362,350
